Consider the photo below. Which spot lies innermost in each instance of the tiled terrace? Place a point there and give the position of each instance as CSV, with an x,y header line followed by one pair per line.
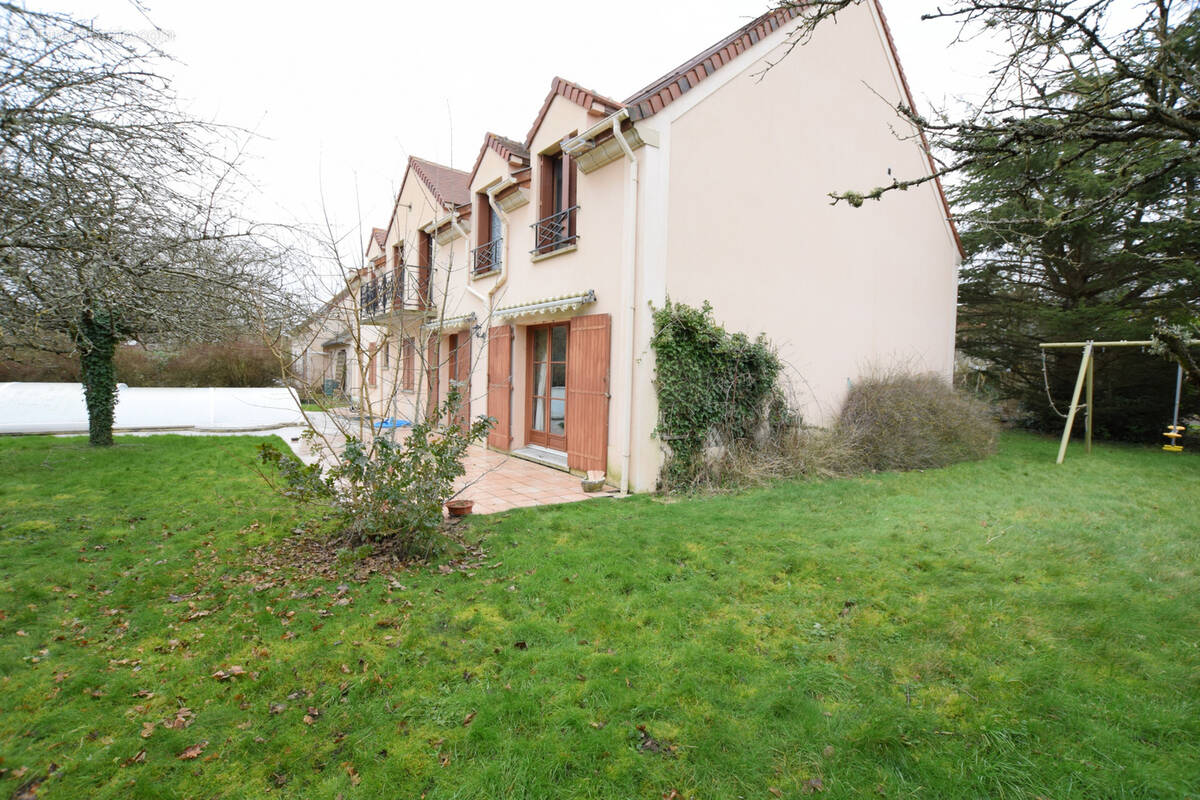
x,y
495,481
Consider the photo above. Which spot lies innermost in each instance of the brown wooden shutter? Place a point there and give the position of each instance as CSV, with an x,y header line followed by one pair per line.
x,y
463,360
499,396
424,268
587,392
569,173
431,371
410,372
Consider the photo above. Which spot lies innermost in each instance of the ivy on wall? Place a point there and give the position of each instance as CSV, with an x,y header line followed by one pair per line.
x,y
714,387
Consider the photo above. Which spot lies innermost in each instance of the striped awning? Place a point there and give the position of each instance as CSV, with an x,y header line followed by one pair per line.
x,y
550,305
451,323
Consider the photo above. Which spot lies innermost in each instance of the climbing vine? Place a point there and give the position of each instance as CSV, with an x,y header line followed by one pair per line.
x,y
96,341
714,387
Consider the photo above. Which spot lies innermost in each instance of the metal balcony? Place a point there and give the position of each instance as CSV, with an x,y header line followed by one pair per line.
x,y
394,293
486,257
554,232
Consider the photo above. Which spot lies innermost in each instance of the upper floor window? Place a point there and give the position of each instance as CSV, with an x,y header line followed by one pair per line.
x,y
557,211
488,237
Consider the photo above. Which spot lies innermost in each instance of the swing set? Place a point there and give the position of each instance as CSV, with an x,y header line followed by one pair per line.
x,y
1087,374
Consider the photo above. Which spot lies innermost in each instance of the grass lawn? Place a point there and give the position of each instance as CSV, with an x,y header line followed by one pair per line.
x,y
999,629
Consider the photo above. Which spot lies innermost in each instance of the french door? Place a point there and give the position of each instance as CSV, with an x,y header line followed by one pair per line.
x,y
546,404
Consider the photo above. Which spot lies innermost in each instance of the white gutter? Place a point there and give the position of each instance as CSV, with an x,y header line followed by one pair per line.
x,y
628,287
491,196
453,219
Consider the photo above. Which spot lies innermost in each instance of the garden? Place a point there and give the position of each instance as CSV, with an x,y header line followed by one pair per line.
x,y
1001,628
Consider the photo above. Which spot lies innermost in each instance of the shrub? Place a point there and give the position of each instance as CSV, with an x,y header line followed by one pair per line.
x,y
386,492
902,421
716,390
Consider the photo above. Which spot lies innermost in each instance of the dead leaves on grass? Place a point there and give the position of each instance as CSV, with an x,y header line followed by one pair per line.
x,y
194,751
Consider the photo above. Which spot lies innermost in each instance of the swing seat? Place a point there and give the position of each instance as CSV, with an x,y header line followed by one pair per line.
x,y
1174,427
1173,448
1171,435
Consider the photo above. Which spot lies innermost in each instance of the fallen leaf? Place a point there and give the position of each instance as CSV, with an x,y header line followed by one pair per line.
x,y
521,645
147,729
232,672
355,778
467,719
278,708
193,752
812,785
308,719
775,791
828,751
137,758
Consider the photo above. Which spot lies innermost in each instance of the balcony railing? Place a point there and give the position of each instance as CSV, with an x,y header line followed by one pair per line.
x,y
486,257
406,289
554,232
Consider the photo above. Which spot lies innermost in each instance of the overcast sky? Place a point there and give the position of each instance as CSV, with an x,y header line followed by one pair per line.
x,y
340,94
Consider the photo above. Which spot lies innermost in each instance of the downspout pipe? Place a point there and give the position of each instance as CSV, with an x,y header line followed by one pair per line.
x,y
503,279
454,223
628,288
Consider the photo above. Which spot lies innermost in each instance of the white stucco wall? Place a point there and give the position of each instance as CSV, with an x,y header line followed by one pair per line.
x,y
748,224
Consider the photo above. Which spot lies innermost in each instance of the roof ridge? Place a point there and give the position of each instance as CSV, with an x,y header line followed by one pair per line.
x,y
658,94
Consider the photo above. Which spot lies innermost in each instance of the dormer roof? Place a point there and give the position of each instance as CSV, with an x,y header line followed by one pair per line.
x,y
592,102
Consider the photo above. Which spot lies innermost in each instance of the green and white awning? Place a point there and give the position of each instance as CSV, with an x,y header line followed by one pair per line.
x,y
549,305
450,324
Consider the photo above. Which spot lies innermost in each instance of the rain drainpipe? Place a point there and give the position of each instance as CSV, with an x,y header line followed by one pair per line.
x,y
466,243
628,287
503,279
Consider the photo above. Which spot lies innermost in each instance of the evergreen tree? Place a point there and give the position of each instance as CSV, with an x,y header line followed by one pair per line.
x,y
1037,271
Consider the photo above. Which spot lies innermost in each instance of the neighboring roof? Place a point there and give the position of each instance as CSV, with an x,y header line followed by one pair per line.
x,y
446,184
380,237
508,149
560,87
670,87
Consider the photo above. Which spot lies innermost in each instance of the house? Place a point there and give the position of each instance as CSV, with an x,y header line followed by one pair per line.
x,y
330,350
529,281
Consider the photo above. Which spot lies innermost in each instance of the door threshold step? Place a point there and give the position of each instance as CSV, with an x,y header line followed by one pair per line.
x,y
555,459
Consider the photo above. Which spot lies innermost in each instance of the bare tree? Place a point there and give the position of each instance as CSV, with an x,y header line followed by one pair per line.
x,y
114,207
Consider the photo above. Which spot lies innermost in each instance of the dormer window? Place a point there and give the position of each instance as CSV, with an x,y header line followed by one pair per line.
x,y
486,256
556,228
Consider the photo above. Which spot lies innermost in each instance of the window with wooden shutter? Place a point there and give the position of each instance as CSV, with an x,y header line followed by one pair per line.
x,y
587,392
409,365
500,386
556,227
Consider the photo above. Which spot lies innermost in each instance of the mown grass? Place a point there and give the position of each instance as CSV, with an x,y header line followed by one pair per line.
x,y
1005,628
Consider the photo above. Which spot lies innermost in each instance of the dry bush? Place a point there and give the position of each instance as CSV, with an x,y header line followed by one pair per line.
x,y
25,364
901,421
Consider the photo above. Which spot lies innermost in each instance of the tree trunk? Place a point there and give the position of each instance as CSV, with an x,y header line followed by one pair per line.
x,y
96,342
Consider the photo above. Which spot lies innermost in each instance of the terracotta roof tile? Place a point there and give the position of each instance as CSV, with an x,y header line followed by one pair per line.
x,y
508,149
446,184
561,87
380,236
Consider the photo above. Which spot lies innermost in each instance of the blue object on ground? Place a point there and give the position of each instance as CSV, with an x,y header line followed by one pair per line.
x,y
389,422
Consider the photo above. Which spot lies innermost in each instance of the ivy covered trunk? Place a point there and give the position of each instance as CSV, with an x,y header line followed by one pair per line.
x,y
96,341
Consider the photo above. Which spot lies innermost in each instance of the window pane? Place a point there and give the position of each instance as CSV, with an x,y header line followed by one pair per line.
x,y
558,417
539,380
559,343
558,380
494,227
539,414
539,344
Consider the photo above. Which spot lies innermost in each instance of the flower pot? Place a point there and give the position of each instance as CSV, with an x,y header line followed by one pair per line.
x,y
592,484
460,508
